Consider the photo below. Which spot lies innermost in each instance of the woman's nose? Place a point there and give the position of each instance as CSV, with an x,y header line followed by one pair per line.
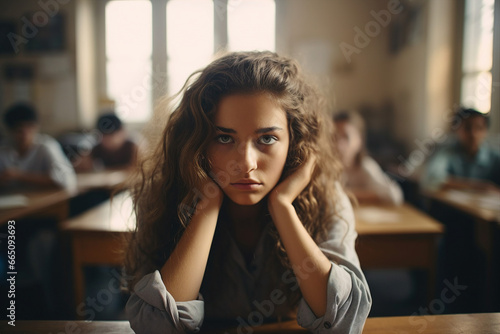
x,y
247,158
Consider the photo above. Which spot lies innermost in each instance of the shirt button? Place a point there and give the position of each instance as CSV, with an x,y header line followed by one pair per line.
x,y
327,325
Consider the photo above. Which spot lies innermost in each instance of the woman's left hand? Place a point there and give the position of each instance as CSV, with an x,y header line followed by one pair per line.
x,y
287,191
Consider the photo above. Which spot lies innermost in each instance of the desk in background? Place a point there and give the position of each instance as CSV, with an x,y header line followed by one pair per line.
x,y
96,237
53,202
402,237
107,179
480,323
484,209
397,237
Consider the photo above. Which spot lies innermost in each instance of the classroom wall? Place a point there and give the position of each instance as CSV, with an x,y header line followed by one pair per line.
x,y
421,74
53,88
314,32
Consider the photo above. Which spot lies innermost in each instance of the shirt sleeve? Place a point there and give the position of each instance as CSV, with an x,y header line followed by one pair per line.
x,y
388,190
151,309
59,168
436,170
348,296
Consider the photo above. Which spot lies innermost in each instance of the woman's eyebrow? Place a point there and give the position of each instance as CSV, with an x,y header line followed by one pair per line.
x,y
262,130
226,130
268,129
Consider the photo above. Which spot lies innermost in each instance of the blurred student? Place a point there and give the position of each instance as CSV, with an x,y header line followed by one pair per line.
x,y
116,150
363,176
467,162
28,160
31,159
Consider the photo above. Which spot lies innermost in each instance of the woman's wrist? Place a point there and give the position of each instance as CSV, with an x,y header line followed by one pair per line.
x,y
280,208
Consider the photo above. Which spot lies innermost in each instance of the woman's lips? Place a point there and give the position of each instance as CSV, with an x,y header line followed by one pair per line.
x,y
247,186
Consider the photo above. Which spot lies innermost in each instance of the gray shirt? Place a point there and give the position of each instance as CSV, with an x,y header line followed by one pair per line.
x,y
45,157
249,301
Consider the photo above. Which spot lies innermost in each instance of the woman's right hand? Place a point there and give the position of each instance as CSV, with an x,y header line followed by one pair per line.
x,y
211,196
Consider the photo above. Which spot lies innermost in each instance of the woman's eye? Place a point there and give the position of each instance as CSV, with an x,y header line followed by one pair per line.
x,y
268,140
224,139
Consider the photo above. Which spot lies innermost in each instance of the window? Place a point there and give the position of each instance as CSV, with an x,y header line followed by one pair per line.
x,y
190,39
251,25
128,58
190,28
477,54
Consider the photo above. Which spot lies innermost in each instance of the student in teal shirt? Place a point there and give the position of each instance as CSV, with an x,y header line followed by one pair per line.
x,y
467,162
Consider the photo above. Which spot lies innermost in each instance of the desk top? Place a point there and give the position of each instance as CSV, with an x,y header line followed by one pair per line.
x,y
37,201
480,323
111,216
370,220
106,179
484,206
404,219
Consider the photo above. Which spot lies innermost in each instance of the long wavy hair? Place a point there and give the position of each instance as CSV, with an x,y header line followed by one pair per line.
x,y
166,194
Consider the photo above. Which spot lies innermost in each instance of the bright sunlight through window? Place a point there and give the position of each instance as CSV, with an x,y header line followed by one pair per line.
x,y
251,25
477,54
128,58
190,39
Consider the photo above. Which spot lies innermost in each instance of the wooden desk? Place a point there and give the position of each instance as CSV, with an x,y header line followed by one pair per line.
x,y
41,203
403,238
485,323
97,237
54,202
106,179
397,237
484,209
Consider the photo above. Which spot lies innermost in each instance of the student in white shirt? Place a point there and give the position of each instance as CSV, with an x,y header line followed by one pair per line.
x,y
31,159
362,175
240,218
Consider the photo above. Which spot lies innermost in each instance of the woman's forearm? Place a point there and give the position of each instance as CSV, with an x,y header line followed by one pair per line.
x,y
183,272
310,265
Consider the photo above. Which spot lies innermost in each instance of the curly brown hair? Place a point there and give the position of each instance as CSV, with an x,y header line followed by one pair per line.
x,y
167,194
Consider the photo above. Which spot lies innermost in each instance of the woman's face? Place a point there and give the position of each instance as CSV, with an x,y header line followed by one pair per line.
x,y
250,147
349,142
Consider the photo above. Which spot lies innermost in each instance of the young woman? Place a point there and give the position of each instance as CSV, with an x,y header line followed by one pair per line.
x,y
363,177
240,219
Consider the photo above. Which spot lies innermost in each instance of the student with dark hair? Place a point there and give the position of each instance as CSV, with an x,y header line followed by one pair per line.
x,y
30,158
116,149
467,162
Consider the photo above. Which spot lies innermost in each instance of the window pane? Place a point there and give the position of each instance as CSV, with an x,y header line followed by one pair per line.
x,y
129,84
251,25
128,53
476,91
478,35
190,39
128,29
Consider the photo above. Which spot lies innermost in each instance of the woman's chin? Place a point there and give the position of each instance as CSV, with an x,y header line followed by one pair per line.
x,y
250,199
